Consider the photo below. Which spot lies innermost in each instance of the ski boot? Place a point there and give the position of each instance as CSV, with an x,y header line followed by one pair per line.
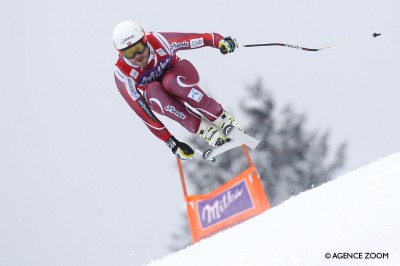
x,y
211,134
225,120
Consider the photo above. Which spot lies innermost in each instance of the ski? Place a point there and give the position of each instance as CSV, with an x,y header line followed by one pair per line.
x,y
238,138
234,133
210,154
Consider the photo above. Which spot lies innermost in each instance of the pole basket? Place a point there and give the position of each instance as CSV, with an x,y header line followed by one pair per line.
x,y
237,200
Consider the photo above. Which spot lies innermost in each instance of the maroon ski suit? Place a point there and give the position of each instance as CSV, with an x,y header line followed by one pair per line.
x,y
167,83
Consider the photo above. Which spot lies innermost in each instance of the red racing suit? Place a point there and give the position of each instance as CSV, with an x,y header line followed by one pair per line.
x,y
167,82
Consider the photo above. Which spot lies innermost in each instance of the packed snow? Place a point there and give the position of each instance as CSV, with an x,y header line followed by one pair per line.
x,y
352,220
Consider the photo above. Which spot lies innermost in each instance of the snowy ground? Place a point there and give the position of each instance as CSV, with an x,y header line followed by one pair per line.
x,y
354,220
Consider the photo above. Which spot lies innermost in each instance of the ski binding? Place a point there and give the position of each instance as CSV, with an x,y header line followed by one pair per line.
x,y
238,138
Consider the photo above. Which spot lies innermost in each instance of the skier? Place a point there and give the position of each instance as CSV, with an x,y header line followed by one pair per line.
x,y
151,77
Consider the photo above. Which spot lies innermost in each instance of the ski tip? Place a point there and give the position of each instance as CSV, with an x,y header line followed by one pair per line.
x,y
206,155
376,35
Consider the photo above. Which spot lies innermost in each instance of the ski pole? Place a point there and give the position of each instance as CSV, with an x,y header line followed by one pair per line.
x,y
308,49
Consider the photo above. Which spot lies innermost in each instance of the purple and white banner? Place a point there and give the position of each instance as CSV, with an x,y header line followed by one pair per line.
x,y
229,203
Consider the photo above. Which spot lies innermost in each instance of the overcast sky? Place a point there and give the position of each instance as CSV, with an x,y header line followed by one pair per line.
x,y
83,181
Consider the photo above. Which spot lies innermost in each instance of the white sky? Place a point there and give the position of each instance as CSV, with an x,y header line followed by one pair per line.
x,y
83,181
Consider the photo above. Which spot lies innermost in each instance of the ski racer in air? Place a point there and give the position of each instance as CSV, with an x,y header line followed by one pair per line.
x,y
151,77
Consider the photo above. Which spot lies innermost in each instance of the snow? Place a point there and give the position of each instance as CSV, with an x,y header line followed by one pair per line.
x,y
354,215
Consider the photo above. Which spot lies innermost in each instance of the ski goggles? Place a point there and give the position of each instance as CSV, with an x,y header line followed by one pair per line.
x,y
137,48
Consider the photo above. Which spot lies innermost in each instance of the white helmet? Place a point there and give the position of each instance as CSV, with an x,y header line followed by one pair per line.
x,y
127,33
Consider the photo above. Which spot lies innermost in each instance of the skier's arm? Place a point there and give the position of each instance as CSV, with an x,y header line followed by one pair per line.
x,y
136,101
184,41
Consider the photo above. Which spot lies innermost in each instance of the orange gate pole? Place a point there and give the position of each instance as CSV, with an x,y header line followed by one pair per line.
x,y
246,152
182,177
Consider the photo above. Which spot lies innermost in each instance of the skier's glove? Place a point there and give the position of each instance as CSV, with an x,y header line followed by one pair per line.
x,y
180,149
228,45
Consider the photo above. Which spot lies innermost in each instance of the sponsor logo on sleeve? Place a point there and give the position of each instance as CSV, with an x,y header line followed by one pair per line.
x,y
198,42
132,89
175,112
177,45
146,109
134,73
161,52
195,95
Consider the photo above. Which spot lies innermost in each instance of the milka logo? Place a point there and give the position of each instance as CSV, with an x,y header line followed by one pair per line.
x,y
156,72
214,211
172,110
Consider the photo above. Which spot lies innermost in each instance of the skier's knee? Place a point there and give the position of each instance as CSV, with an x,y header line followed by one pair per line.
x,y
154,88
182,75
192,124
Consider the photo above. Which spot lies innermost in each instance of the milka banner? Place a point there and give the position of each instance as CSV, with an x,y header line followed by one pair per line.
x,y
235,201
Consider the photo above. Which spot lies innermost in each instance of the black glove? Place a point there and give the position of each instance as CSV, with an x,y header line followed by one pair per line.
x,y
180,149
228,45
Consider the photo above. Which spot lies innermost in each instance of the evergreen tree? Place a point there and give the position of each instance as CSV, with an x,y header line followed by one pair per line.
x,y
290,159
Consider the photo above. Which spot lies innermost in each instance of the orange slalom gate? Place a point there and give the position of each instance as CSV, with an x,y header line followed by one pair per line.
x,y
235,201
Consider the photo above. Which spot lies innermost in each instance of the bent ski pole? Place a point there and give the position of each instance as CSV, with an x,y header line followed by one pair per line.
x,y
308,49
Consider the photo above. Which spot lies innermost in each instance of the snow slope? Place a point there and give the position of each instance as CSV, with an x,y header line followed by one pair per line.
x,y
356,214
